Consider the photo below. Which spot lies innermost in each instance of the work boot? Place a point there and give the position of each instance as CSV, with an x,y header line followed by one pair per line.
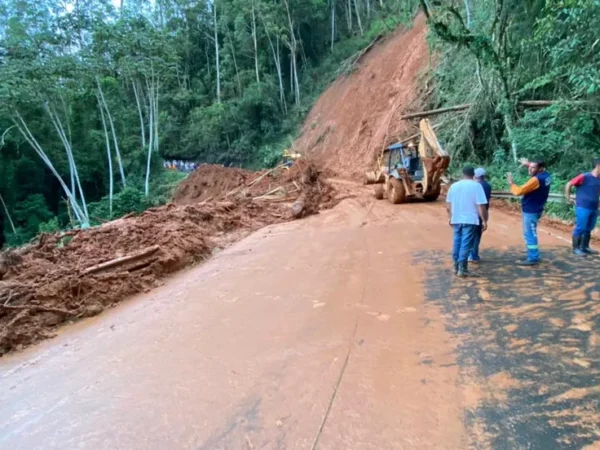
x,y
527,263
455,268
585,245
578,246
463,269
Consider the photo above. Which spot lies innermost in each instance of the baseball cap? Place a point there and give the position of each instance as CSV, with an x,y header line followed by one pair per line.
x,y
479,172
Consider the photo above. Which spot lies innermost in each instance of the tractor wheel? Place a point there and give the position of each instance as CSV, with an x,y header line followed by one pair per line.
x,y
396,192
379,192
433,196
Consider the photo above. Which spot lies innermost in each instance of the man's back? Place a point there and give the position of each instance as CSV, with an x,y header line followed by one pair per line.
x,y
465,196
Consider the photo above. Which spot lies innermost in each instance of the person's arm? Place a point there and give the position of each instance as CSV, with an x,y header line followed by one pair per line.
x,y
577,181
449,205
527,188
482,203
483,213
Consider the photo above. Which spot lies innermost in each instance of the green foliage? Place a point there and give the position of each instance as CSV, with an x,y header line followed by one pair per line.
x,y
514,51
58,58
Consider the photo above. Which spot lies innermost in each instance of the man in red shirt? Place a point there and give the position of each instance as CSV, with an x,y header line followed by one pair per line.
x,y
586,208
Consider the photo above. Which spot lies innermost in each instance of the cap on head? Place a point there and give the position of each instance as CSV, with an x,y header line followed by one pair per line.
x,y
479,172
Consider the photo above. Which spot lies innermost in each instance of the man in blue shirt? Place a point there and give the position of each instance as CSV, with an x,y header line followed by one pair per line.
x,y
534,197
586,208
487,189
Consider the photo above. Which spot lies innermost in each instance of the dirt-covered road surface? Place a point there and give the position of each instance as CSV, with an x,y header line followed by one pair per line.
x,y
342,331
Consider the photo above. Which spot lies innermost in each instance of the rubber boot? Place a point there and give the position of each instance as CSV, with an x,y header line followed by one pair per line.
x,y
463,269
455,268
585,245
578,245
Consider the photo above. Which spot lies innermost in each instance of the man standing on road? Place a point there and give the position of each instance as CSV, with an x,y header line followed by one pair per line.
x,y
465,203
487,188
534,197
586,208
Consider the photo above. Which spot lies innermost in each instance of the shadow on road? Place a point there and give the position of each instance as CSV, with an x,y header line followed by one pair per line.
x,y
529,338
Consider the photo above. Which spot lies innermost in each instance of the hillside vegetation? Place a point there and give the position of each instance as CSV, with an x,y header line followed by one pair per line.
x,y
95,93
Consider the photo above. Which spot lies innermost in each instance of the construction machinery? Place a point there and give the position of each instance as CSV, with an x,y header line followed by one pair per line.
x,y
290,157
403,173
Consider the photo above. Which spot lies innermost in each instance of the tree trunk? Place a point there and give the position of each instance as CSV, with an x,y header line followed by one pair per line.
x,y
277,61
237,72
141,116
349,15
255,43
362,33
109,156
70,158
216,38
368,9
332,23
151,143
26,133
294,51
468,9
12,225
113,132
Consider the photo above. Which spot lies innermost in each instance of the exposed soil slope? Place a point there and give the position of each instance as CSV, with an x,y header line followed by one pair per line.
x,y
358,114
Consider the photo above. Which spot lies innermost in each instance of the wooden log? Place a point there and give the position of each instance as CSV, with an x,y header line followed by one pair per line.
x,y
256,180
38,308
434,112
120,261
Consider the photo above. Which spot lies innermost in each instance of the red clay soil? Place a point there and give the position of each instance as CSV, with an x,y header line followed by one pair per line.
x,y
64,276
358,115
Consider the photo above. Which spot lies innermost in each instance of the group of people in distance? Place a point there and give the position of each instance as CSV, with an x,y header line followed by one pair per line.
x,y
468,203
181,166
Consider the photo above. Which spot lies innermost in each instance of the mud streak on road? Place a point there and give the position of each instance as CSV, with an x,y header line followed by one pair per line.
x,y
528,341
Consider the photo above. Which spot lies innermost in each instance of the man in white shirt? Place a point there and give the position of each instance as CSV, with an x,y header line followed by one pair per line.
x,y
465,203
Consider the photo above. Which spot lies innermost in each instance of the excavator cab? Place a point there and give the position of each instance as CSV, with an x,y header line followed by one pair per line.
x,y
411,174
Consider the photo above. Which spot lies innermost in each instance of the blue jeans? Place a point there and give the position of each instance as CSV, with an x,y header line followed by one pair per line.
x,y
464,235
474,256
585,221
530,224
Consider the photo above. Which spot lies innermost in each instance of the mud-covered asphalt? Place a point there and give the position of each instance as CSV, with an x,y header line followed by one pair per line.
x,y
342,331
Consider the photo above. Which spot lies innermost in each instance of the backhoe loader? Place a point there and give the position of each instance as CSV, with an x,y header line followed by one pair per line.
x,y
403,173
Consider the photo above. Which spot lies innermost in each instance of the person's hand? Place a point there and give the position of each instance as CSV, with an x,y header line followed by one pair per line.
x,y
510,179
570,201
524,162
484,226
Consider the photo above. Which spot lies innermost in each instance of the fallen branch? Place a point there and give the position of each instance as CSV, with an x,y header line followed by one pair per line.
x,y
256,180
271,192
121,260
38,308
524,103
434,112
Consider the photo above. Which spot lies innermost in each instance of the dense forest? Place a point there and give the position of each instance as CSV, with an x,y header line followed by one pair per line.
x,y
96,93
497,54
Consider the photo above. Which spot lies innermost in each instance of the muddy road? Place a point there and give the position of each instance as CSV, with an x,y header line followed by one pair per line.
x,y
342,331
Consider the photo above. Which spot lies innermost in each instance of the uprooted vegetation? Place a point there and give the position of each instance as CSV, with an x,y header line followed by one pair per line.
x,y
75,274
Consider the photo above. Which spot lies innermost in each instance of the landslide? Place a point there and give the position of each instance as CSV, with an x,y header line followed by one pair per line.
x,y
359,114
67,276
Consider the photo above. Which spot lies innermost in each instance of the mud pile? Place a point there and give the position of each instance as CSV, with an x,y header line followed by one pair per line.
x,y
301,182
67,276
359,114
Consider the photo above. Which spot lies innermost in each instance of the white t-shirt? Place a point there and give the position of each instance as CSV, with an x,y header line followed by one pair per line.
x,y
464,196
